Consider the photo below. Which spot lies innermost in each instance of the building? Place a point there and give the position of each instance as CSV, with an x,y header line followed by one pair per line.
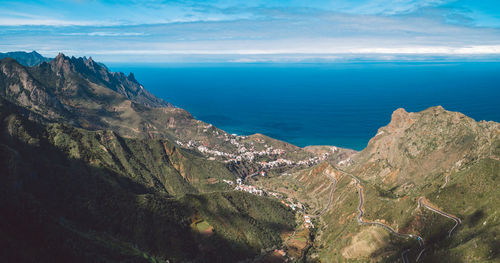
x,y
307,222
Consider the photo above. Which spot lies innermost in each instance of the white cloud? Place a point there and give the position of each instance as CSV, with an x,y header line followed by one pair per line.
x,y
431,50
312,33
42,22
106,34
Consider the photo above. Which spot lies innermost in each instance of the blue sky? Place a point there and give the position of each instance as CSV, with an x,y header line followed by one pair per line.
x,y
249,31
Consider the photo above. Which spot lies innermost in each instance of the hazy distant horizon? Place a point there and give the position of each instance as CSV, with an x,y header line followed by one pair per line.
x,y
269,59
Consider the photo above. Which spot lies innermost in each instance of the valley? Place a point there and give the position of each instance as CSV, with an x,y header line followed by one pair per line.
x,y
96,168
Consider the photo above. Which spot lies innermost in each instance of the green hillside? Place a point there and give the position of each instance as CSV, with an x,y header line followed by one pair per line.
x,y
94,168
74,195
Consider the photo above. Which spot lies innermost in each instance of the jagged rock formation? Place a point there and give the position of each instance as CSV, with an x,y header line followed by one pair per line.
x,y
445,157
415,146
91,172
115,179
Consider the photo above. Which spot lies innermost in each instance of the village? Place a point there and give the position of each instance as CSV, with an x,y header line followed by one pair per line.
x,y
289,202
248,153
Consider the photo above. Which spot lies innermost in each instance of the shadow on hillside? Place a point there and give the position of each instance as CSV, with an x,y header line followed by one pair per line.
x,y
56,209
438,243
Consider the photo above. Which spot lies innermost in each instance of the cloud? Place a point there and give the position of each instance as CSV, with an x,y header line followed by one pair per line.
x,y
42,22
283,30
391,7
105,34
430,50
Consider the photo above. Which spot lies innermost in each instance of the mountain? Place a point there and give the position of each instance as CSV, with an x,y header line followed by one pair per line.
x,y
432,174
435,158
87,95
71,195
27,59
450,160
95,168
80,183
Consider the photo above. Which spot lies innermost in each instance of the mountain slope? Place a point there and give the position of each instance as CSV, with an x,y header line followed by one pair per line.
x,y
108,182
444,157
120,175
27,59
415,146
85,94
94,196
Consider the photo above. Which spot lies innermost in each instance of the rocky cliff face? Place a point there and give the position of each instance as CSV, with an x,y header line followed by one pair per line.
x,y
123,175
121,189
69,73
443,157
64,78
86,94
414,146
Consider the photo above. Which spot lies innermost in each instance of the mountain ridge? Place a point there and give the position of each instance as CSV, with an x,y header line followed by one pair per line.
x,y
32,58
104,144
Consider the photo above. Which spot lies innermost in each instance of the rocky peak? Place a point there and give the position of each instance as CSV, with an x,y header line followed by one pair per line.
x,y
81,76
36,53
399,114
400,119
59,59
62,63
131,77
435,137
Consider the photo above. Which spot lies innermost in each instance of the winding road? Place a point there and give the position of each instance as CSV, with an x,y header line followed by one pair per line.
x,y
386,227
330,197
447,180
421,202
420,254
404,255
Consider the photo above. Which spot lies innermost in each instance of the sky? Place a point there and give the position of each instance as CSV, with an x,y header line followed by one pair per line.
x,y
254,31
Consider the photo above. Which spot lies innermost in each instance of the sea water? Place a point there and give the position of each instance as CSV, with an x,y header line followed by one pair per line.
x,y
341,104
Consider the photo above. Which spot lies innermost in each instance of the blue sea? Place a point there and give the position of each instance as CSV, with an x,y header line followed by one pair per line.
x,y
340,104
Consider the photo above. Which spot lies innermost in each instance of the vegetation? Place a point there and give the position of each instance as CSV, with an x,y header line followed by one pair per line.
x,y
96,196
92,169
413,158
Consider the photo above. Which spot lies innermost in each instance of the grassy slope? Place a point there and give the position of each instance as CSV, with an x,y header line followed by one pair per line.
x,y
74,195
426,152
310,185
411,159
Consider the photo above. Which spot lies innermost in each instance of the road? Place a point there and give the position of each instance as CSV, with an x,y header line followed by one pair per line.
x,y
404,255
386,227
420,254
330,197
251,175
421,202
447,180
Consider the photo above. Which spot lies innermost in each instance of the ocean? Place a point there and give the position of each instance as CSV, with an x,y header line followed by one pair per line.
x,y
341,104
